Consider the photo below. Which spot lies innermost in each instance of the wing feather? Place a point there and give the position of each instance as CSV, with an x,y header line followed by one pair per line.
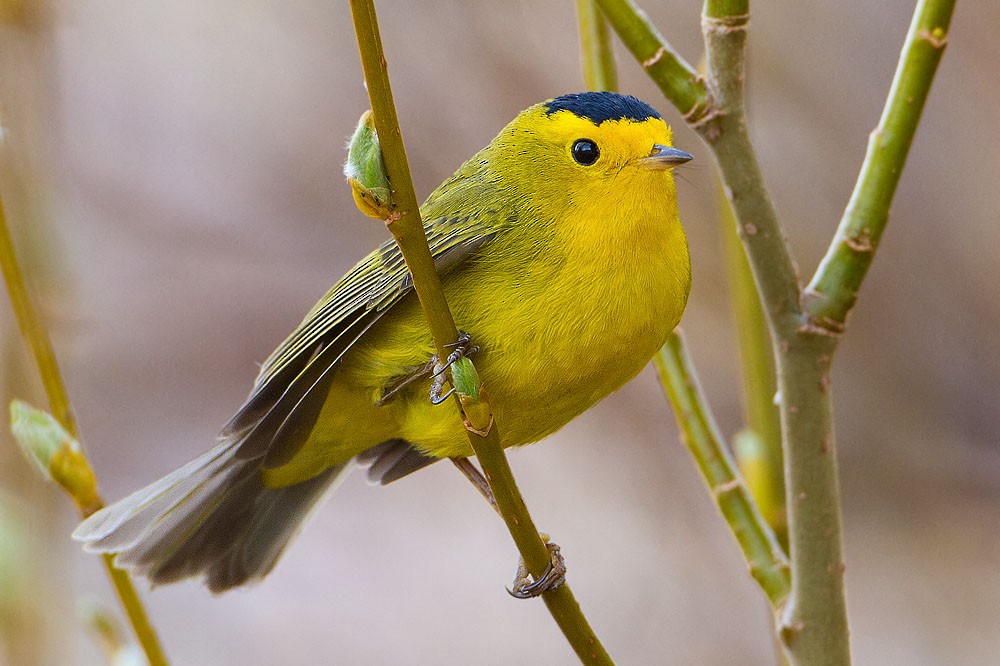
x,y
293,382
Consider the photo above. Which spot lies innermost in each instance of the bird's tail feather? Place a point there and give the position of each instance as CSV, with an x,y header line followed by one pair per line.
x,y
212,517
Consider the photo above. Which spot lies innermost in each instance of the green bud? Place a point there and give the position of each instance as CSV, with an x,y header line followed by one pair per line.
x,y
465,378
39,435
365,170
56,453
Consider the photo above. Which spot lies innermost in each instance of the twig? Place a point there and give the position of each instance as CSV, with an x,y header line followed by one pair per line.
x,y
677,79
762,443
37,338
598,57
767,249
763,553
833,289
406,227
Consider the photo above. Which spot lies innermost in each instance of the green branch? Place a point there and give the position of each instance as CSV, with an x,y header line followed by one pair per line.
x,y
405,223
833,290
813,626
758,447
763,238
677,79
728,10
598,57
763,553
69,475
32,331
406,227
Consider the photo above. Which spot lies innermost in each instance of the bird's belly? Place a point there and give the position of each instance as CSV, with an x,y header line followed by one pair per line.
x,y
540,384
547,354
559,353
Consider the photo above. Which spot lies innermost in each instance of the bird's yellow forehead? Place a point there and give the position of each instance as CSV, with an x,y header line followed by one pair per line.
x,y
620,140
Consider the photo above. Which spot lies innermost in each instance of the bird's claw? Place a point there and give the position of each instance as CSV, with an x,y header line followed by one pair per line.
x,y
525,587
462,347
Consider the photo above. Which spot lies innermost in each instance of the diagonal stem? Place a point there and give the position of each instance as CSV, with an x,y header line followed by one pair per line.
x,y
677,79
763,553
406,227
833,290
727,134
758,446
38,340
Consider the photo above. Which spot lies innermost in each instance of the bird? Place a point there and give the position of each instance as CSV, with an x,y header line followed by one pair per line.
x,y
561,253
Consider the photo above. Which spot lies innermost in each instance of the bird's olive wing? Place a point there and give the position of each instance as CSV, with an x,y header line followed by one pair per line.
x,y
292,384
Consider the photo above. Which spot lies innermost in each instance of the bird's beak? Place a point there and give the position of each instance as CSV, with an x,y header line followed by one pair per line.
x,y
664,157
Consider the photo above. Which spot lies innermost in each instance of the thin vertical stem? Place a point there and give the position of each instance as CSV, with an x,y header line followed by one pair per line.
x,y
813,626
599,72
404,224
38,340
33,332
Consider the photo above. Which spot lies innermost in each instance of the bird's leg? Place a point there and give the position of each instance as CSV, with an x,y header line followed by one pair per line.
x,y
462,347
477,479
424,370
431,369
525,586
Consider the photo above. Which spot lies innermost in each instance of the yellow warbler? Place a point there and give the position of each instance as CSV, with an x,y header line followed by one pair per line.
x,y
561,253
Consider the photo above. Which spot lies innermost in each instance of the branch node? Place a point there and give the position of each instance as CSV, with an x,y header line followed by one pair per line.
x,y
937,37
700,115
655,58
817,325
724,25
813,301
482,432
861,243
731,486
828,441
824,384
789,632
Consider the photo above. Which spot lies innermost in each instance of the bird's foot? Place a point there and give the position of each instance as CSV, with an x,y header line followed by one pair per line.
x,y
525,586
461,348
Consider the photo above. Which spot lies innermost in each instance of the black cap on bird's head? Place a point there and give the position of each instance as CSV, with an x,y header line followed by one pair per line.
x,y
600,106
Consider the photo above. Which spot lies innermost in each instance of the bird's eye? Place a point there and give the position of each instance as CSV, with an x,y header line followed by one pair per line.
x,y
585,152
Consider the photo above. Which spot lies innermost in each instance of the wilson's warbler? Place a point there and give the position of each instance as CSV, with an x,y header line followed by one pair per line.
x,y
562,255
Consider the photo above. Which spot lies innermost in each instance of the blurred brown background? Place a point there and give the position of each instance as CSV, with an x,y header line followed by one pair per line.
x,y
173,170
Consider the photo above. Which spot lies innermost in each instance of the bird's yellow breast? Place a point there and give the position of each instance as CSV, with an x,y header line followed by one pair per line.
x,y
562,331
